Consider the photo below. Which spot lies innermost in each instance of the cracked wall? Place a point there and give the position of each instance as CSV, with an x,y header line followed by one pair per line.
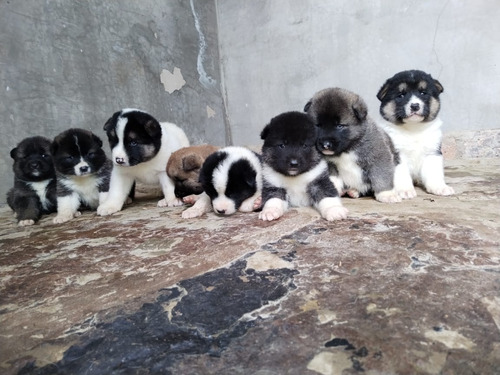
x,y
73,64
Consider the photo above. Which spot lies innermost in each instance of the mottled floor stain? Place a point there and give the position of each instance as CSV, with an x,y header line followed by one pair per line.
x,y
408,288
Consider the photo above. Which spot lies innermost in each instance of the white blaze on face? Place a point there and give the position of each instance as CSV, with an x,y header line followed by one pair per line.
x,y
82,168
119,154
224,205
414,115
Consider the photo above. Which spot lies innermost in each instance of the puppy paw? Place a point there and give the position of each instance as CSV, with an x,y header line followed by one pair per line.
x,y
25,223
407,193
192,212
441,190
190,199
388,196
257,203
271,213
334,213
173,202
106,209
251,204
353,193
64,217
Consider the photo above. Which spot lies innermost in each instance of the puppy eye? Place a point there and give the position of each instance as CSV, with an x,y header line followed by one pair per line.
x,y
133,143
91,155
44,156
282,145
423,93
318,125
402,95
305,145
69,158
341,126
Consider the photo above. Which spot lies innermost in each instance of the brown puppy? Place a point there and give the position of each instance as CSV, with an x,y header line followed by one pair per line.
x,y
184,168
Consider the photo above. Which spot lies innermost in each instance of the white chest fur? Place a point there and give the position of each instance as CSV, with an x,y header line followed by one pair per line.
x,y
295,186
350,172
41,190
86,187
415,141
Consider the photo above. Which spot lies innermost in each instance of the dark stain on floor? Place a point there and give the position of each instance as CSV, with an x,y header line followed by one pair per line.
x,y
205,315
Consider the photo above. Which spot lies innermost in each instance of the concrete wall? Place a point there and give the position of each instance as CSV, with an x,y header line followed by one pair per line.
x,y
74,63
276,54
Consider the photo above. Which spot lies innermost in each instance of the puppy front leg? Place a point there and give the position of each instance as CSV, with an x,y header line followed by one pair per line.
x,y
168,188
403,182
27,210
119,186
202,205
67,208
273,209
331,209
432,175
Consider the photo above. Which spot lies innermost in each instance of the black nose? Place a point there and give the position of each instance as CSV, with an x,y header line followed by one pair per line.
x,y
414,107
327,145
34,165
84,169
294,163
119,161
221,211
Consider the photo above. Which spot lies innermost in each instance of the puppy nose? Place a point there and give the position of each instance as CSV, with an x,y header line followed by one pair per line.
x,y
294,163
326,145
119,160
414,107
221,211
34,165
84,169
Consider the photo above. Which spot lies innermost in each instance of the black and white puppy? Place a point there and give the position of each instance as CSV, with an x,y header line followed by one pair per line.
x,y
361,156
232,181
140,148
410,103
294,172
82,170
34,191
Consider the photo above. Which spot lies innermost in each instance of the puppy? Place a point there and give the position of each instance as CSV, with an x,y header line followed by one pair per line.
x,y
140,148
294,172
82,170
410,105
34,191
361,156
184,168
232,181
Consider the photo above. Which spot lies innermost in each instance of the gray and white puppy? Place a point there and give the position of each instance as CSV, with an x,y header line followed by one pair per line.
x,y
361,157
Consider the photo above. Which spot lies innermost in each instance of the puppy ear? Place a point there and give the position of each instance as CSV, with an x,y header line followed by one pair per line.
x,y
360,109
383,91
308,105
264,132
191,162
439,86
97,139
111,121
153,128
13,153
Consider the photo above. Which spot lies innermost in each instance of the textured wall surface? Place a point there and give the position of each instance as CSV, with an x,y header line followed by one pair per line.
x,y
276,54
74,63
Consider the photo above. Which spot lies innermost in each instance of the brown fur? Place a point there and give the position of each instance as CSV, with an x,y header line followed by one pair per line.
x,y
184,168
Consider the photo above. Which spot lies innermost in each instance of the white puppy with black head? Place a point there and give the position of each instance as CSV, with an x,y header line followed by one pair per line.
x,y
410,105
140,149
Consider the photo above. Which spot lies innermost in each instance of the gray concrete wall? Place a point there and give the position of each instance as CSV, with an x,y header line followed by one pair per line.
x,y
276,54
70,63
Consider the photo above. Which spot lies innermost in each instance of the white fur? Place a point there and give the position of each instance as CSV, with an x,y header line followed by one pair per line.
x,y
350,173
219,181
78,171
151,172
41,190
418,115
417,143
331,209
273,209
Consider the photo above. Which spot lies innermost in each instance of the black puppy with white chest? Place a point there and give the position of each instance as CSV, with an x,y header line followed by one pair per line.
x,y
83,172
294,172
34,191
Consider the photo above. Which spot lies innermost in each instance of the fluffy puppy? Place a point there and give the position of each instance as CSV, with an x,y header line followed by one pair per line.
x,y
294,172
34,191
361,156
140,148
232,181
410,105
82,170
184,168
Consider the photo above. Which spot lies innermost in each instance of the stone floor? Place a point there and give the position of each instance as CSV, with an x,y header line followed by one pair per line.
x,y
408,288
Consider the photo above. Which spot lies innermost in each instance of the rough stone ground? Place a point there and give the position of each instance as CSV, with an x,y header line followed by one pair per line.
x,y
408,288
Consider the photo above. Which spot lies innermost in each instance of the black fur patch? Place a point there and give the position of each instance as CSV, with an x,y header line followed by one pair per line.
x,y
32,163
